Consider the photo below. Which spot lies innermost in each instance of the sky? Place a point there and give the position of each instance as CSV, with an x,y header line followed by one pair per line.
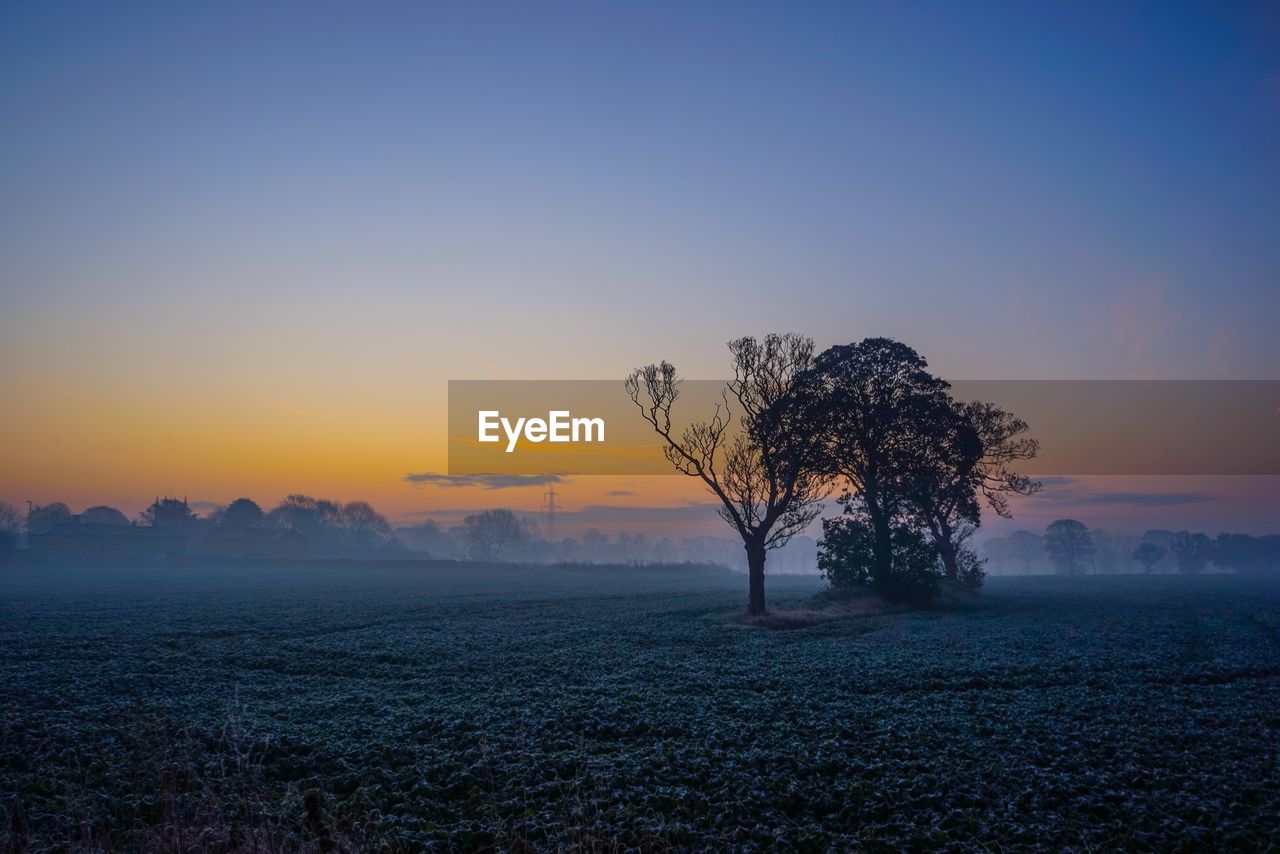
x,y
244,246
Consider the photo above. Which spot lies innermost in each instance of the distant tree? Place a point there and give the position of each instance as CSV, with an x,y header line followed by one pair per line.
x,y
10,530
1247,554
767,477
595,544
363,527
1191,551
1148,554
429,537
42,518
1026,548
241,513
317,519
1234,551
103,515
169,513
493,534
997,551
1069,546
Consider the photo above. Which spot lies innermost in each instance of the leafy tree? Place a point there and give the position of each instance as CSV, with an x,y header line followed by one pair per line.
x,y
169,513
1243,553
942,484
1069,545
103,515
314,518
767,476
879,409
970,567
1148,554
354,528
967,453
241,513
1001,435
1026,548
493,534
1191,551
42,518
846,557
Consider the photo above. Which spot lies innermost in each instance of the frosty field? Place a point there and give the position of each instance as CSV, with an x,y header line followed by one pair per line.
x,y
468,706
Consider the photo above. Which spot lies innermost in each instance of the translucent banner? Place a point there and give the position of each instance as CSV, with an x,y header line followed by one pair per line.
x,y
1085,427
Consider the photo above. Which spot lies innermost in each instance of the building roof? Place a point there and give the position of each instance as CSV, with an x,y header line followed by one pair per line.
x,y
76,529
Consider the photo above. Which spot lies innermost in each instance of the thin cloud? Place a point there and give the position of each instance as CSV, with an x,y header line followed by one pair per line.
x,y
1148,499
294,410
1062,492
205,505
482,481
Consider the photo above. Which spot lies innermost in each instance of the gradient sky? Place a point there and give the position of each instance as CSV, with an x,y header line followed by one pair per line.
x,y
243,246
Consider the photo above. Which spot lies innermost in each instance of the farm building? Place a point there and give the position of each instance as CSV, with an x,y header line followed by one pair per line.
x,y
69,541
272,543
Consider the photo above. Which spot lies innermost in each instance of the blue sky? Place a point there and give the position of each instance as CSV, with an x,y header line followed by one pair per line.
x,y
333,208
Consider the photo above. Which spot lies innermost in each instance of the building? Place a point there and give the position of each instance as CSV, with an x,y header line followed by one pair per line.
x,y
267,543
88,543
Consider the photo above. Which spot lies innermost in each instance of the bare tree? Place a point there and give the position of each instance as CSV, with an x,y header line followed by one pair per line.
x,y
363,527
492,534
766,475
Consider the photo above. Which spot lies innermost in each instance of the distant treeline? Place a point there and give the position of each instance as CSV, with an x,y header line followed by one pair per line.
x,y
1068,547
303,526
296,527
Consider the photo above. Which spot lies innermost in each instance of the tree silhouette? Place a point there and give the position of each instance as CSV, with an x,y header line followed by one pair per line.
x,y
1148,554
241,513
169,513
103,515
1191,551
968,453
363,527
10,528
314,518
1069,545
766,476
42,518
492,534
878,409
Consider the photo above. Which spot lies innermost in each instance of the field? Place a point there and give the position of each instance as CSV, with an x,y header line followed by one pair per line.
x,y
366,706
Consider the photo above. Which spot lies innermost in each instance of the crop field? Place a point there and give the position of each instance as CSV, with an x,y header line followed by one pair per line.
x,y
466,706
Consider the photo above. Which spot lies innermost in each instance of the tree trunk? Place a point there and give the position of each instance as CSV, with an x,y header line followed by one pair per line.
x,y
882,547
755,573
947,551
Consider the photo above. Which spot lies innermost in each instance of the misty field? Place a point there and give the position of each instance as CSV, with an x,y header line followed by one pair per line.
x,y
409,706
